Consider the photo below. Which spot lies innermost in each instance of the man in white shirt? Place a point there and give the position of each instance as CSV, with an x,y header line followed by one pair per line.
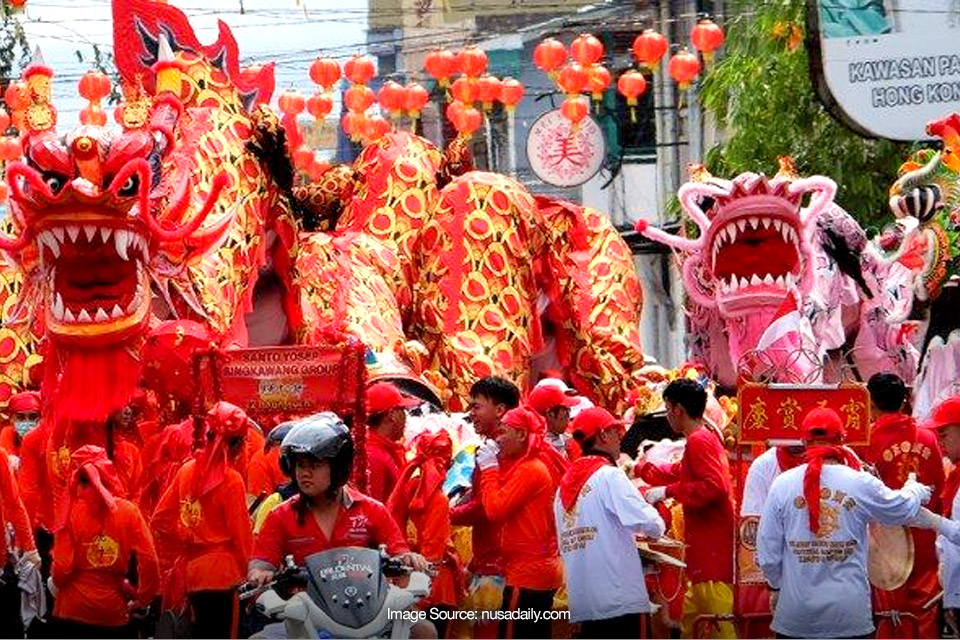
x,y
811,540
598,512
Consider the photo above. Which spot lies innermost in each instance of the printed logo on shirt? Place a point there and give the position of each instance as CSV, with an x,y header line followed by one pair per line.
x,y
61,462
102,551
359,525
576,539
190,513
829,514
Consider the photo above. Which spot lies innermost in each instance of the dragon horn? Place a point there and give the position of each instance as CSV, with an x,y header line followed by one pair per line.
x,y
689,193
823,188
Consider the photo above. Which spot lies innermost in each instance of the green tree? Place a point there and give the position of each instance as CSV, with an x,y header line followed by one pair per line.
x,y
762,94
14,49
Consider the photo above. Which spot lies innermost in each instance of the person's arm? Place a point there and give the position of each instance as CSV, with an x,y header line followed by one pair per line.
x,y
658,475
148,566
885,505
268,544
771,541
937,476
756,487
709,483
13,509
625,503
433,528
63,566
29,475
501,500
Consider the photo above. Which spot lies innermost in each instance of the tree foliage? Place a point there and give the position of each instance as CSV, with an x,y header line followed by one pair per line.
x,y
14,49
762,94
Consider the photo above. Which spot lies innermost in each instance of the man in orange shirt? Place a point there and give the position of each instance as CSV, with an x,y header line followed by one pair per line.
x,y
202,520
93,554
518,481
386,455
899,447
553,404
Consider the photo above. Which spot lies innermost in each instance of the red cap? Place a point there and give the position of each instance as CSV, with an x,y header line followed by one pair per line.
x,y
548,396
592,421
946,414
523,419
25,402
383,396
822,424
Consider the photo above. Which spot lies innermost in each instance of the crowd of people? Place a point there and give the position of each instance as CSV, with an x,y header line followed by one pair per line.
x,y
177,517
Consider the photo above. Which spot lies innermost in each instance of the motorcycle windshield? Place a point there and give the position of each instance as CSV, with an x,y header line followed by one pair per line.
x,y
348,584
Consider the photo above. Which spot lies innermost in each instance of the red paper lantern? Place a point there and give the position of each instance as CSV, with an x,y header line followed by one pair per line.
x,y
464,90
10,148
353,124
291,102
319,105
454,109
325,72
92,114
575,109
572,79
684,68
17,4
649,47
359,69
94,86
707,37
488,90
441,64
598,79
375,128
16,95
4,120
586,49
549,55
415,98
472,61
302,158
632,84
358,98
467,120
391,96
511,93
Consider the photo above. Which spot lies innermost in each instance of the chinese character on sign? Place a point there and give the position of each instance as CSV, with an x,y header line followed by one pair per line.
x,y
788,411
757,416
853,411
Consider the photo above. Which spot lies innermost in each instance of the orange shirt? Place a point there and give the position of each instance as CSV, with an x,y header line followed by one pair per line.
x,y
521,499
12,509
35,487
92,560
385,460
212,535
263,472
434,543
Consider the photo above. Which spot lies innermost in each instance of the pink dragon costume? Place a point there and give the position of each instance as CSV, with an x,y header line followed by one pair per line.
x,y
757,249
192,210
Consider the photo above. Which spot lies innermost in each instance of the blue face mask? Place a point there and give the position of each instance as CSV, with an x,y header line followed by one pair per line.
x,y
23,427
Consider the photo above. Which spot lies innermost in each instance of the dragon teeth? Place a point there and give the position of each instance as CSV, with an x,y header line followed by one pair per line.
x,y
101,315
90,230
83,316
73,231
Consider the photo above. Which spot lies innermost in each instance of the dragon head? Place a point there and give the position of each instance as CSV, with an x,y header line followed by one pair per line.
x,y
90,215
754,241
926,196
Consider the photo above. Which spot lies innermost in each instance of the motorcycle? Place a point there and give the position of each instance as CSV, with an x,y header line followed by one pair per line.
x,y
341,593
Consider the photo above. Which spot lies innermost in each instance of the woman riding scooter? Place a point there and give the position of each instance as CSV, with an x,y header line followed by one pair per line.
x,y
325,513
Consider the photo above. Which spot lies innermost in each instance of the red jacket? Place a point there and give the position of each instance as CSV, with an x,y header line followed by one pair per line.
x,y
385,460
700,482
361,522
485,534
35,486
91,564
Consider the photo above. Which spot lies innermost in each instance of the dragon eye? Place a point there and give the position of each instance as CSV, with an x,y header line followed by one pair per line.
x,y
130,186
54,181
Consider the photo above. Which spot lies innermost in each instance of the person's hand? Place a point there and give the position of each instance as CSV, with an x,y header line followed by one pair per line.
x,y
415,561
922,491
654,495
950,529
487,455
33,557
260,577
